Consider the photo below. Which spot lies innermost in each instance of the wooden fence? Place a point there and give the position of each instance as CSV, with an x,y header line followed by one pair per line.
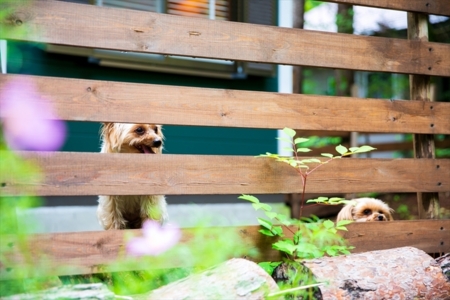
x,y
102,101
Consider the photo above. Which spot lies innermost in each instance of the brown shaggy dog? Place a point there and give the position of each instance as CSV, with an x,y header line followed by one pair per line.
x,y
120,212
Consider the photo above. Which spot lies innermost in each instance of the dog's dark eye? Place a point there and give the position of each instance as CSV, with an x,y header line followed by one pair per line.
x,y
139,130
367,212
156,129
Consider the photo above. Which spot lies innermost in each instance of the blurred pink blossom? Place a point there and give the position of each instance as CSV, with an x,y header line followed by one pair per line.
x,y
156,239
28,120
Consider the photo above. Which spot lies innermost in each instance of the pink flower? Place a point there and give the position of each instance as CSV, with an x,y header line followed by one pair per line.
x,y
156,239
28,120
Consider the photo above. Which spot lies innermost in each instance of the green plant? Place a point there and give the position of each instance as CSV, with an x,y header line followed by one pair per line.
x,y
311,237
306,166
308,237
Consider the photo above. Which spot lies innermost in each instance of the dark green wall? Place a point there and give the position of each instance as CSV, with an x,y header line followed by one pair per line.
x,y
29,58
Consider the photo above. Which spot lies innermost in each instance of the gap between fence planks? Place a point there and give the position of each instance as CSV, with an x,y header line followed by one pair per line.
x,y
92,100
436,7
74,173
63,23
90,251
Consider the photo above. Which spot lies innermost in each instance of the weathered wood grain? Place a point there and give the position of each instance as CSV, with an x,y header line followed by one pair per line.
x,y
70,173
419,89
90,251
435,7
92,100
90,26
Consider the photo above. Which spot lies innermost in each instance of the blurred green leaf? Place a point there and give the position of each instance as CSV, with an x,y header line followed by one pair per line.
x,y
263,206
290,132
266,231
271,214
265,223
328,224
250,198
341,149
300,140
363,149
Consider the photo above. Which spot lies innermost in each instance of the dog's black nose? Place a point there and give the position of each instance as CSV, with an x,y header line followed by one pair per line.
x,y
157,143
380,218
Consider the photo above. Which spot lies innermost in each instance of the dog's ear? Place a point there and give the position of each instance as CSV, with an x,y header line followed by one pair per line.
x,y
346,213
109,137
389,216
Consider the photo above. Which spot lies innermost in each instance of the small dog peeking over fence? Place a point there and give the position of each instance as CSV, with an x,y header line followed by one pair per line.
x,y
366,210
130,211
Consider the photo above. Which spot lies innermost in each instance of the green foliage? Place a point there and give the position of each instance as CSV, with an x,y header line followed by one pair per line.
x,y
303,165
312,237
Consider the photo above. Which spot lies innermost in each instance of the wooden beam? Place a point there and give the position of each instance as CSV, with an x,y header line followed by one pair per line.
x,y
435,7
419,87
63,23
99,101
88,252
74,173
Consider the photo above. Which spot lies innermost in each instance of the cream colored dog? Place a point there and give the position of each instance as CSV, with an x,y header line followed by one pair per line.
x,y
121,212
365,210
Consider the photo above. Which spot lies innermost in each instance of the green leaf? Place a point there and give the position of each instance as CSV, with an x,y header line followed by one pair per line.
x,y
269,266
332,252
343,223
303,166
271,214
250,198
300,140
306,248
328,224
263,206
315,160
341,149
284,220
332,230
266,231
327,155
293,163
277,230
285,246
303,150
363,149
268,154
290,132
341,228
265,223
318,200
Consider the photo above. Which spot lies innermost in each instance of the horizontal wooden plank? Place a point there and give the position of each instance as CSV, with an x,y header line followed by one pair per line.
x,y
90,251
70,173
435,7
91,100
62,23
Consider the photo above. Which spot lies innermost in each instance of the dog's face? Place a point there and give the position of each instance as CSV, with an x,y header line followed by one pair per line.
x,y
132,138
366,210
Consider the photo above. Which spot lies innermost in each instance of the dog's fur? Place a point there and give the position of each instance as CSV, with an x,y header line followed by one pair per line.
x,y
121,212
366,210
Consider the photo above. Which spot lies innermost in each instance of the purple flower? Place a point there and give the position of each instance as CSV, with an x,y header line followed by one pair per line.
x,y
28,120
156,239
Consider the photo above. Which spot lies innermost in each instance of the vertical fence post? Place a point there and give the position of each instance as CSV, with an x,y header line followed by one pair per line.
x,y
419,87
